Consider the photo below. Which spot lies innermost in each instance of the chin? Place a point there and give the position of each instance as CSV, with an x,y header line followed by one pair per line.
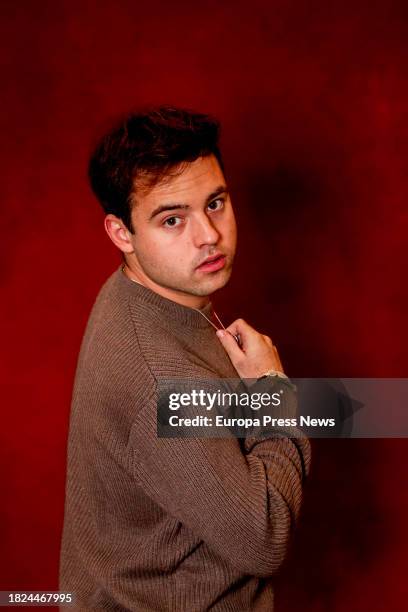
x,y
214,284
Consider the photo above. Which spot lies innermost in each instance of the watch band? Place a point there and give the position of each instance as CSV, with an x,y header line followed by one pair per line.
x,y
274,373
280,376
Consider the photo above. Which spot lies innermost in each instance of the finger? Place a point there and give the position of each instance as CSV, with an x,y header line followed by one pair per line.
x,y
268,340
242,329
239,326
230,345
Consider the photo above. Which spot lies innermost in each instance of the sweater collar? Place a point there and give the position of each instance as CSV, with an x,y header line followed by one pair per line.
x,y
172,310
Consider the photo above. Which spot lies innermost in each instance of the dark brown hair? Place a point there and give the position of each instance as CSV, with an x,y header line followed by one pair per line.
x,y
147,147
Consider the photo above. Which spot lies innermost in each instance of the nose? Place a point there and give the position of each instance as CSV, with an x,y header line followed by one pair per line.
x,y
204,231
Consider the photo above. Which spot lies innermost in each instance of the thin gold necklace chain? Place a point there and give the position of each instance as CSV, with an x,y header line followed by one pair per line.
x,y
209,320
235,336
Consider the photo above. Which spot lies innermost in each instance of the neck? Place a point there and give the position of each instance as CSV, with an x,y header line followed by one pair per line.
x,y
185,299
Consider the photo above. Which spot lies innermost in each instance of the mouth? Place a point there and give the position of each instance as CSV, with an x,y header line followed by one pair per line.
x,y
211,264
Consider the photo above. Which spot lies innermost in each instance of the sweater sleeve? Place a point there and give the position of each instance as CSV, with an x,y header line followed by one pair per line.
x,y
240,498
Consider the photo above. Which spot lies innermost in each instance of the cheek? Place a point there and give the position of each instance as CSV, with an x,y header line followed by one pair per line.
x,y
149,250
230,228
167,252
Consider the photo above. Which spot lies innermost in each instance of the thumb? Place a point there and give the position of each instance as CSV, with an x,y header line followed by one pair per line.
x,y
230,345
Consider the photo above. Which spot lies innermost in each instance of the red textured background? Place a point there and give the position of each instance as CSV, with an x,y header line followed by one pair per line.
x,y
313,100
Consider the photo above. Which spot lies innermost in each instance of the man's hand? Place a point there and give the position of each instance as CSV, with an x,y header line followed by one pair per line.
x,y
257,355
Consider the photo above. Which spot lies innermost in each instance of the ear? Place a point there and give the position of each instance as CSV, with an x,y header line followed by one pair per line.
x,y
118,233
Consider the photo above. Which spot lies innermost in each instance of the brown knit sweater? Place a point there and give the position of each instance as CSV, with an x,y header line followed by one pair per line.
x,y
158,524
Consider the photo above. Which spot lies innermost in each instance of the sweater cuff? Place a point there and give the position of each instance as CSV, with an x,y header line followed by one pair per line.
x,y
284,414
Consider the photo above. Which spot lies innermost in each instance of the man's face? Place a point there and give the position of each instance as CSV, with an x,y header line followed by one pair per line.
x,y
178,225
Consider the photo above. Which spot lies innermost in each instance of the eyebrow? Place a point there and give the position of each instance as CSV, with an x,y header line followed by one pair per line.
x,y
177,206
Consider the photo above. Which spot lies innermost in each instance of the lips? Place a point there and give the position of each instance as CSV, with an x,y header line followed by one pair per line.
x,y
212,258
215,262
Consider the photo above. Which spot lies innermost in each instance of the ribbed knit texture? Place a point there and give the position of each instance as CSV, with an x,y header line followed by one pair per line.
x,y
157,524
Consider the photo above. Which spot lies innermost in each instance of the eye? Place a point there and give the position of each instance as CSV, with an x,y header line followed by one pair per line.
x,y
172,221
216,204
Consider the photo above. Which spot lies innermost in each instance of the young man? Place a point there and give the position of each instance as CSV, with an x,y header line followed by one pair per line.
x,y
159,524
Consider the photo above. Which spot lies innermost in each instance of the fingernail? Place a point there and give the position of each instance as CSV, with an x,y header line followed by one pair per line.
x,y
220,333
